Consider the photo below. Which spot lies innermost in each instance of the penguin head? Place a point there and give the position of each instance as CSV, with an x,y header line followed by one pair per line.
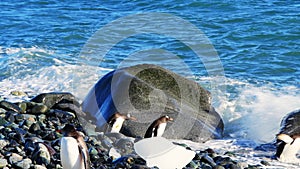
x,y
68,129
167,118
129,117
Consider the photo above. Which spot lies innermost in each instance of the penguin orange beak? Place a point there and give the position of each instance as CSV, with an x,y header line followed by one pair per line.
x,y
171,119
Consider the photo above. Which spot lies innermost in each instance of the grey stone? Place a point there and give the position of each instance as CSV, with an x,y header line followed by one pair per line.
x,y
148,92
39,167
24,164
23,106
2,110
3,122
266,163
290,124
10,106
206,166
18,93
242,165
50,99
14,158
41,154
39,109
124,145
3,163
218,167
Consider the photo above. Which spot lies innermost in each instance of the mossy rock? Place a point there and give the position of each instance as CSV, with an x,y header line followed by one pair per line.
x,y
147,92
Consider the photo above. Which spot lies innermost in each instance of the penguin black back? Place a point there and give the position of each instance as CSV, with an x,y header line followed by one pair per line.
x,y
153,129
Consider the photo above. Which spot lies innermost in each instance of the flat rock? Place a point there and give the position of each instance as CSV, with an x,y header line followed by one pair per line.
x,y
50,99
148,92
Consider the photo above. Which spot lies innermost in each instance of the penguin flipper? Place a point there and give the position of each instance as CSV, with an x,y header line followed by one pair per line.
x,y
84,154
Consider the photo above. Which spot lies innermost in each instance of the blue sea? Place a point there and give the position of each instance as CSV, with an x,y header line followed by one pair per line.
x,y
250,61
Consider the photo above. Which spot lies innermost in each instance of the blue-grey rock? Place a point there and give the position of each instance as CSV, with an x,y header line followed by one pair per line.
x,y
148,92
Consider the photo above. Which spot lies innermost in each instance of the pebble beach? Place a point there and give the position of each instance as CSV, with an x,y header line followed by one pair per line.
x,y
27,126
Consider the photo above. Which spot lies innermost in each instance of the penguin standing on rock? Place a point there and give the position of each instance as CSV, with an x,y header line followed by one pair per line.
x,y
157,128
73,151
115,122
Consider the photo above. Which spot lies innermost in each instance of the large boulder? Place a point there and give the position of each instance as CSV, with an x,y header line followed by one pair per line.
x,y
290,124
148,92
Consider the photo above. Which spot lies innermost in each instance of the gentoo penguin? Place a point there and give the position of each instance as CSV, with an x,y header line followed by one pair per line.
x,y
115,122
288,139
157,128
73,151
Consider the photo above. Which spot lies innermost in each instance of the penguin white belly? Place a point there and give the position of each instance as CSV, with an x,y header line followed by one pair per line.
x,y
289,152
69,154
161,129
117,125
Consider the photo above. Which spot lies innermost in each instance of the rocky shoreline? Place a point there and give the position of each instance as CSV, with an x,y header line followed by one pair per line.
x,y
24,125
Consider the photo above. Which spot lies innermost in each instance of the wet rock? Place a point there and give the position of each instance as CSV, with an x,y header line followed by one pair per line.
x,y
290,123
39,109
124,145
207,159
70,107
14,158
232,166
117,136
23,106
3,143
222,160
24,164
18,93
3,122
10,106
39,167
35,128
266,163
19,118
147,92
123,162
205,166
41,154
50,99
10,116
2,110
3,163
242,165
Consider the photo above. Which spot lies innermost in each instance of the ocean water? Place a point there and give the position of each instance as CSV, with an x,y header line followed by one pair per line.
x,y
254,47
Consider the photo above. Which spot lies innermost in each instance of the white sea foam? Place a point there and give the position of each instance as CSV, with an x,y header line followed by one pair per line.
x,y
244,151
68,78
256,112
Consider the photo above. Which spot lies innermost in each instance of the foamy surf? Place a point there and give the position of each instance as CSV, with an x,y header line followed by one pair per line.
x,y
241,150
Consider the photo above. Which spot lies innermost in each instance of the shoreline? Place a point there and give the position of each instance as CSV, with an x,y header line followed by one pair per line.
x,y
27,121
